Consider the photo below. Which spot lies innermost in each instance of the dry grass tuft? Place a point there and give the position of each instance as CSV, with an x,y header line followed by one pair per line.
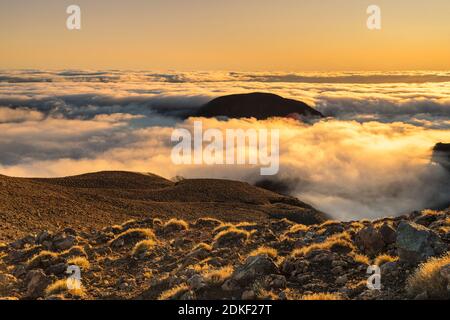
x,y
428,278
175,293
202,246
208,222
384,258
132,236
81,262
218,276
230,236
75,251
60,287
143,247
44,257
360,258
272,253
222,227
340,243
176,225
322,296
296,230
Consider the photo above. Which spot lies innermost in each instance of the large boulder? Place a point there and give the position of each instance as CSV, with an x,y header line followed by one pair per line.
x,y
254,266
37,281
416,243
370,240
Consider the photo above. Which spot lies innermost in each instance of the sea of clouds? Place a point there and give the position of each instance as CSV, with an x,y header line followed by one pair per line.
x,y
370,157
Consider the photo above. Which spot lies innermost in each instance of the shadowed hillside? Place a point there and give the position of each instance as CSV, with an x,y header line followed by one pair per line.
x,y
92,201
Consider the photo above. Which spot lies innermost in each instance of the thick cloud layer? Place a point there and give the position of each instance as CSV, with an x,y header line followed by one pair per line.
x,y
369,159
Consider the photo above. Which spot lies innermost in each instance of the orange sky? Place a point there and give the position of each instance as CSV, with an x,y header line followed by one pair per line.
x,y
284,35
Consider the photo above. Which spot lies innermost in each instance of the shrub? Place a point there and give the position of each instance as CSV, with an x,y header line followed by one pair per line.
x,y
272,253
384,258
81,262
322,296
428,278
42,259
230,236
175,225
143,247
133,236
175,293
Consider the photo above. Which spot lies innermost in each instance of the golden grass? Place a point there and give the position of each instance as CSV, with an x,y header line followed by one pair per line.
x,y
60,287
222,227
295,229
429,212
208,221
40,257
384,258
360,258
203,246
81,262
143,247
218,276
176,224
271,252
75,251
230,235
134,234
427,278
174,293
322,296
338,243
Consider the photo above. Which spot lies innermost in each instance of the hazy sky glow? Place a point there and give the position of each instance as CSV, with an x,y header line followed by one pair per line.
x,y
285,35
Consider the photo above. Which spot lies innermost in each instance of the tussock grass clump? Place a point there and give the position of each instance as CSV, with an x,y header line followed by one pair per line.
x,y
175,293
322,296
75,251
208,222
361,258
430,278
296,230
429,212
202,246
143,247
230,236
175,225
384,258
42,259
61,287
340,243
222,227
133,236
81,262
270,252
217,277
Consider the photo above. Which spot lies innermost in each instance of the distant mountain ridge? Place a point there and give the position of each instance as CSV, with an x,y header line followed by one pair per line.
x,y
256,105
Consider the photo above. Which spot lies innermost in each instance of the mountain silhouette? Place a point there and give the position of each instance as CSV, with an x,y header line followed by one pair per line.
x,y
256,105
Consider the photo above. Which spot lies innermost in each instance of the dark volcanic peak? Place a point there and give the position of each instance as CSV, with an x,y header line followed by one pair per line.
x,y
256,105
441,154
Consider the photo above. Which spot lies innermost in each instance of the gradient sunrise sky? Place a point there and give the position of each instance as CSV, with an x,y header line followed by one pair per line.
x,y
282,35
